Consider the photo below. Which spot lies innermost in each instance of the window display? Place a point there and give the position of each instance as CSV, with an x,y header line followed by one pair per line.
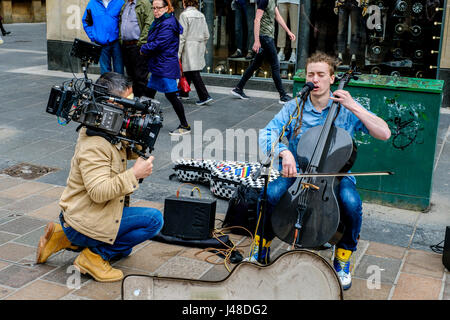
x,y
390,37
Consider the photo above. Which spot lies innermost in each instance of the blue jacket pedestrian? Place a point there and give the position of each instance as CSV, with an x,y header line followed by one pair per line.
x,y
104,26
101,23
162,45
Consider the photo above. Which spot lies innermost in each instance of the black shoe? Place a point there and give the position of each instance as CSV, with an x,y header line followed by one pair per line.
x,y
237,54
6,33
250,55
285,98
206,101
239,93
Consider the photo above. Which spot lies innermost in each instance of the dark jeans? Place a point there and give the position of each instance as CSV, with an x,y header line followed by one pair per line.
x,y
176,104
269,52
196,78
244,17
349,202
112,52
354,12
138,224
136,67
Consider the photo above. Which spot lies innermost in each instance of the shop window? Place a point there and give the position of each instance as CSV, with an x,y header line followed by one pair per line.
x,y
390,37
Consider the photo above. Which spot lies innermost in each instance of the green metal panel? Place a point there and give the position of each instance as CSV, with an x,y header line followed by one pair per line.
x,y
410,106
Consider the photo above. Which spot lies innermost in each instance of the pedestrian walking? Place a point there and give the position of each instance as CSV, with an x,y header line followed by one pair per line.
x,y
192,49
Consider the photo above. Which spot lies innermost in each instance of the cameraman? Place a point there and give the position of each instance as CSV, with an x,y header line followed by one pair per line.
x,y
95,216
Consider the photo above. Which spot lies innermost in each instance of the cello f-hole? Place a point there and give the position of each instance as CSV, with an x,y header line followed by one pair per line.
x,y
324,197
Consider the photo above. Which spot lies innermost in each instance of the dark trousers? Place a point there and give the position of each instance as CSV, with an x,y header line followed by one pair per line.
x,y
269,52
176,104
136,67
346,11
195,78
1,27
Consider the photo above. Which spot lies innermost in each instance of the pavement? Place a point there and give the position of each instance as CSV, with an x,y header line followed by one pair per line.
x,y
396,242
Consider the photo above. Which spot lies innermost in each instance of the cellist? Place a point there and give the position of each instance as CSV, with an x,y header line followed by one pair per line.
x,y
353,117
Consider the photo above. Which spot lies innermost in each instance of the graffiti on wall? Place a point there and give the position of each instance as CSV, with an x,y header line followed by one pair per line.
x,y
405,122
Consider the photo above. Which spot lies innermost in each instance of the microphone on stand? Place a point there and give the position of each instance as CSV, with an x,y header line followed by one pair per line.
x,y
306,90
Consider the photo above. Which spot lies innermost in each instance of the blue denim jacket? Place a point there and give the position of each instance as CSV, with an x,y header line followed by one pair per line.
x,y
311,118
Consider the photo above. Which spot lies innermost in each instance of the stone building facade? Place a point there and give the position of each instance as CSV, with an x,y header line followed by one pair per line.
x,y
15,11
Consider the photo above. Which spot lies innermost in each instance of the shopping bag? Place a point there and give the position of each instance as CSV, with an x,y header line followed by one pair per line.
x,y
183,84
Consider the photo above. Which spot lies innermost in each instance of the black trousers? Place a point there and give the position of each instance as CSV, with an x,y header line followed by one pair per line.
x,y
269,53
1,27
136,68
196,78
176,104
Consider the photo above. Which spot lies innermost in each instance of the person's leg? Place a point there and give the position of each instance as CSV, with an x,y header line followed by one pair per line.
x,y
105,60
137,225
268,45
250,26
351,214
138,65
275,191
256,63
199,85
355,15
178,107
238,28
281,41
116,54
342,28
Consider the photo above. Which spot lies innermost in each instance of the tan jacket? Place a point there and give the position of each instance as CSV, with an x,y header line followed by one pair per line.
x,y
98,182
193,39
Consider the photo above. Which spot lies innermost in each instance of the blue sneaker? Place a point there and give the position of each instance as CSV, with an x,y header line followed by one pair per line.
x,y
253,256
342,265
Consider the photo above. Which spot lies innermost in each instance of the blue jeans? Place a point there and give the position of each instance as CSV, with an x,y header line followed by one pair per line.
x,y
268,51
112,52
350,205
138,224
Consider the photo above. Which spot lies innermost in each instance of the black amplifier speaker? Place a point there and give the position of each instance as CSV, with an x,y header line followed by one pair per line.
x,y
189,218
446,253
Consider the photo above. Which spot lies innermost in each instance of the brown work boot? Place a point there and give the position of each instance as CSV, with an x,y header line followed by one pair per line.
x,y
93,264
53,240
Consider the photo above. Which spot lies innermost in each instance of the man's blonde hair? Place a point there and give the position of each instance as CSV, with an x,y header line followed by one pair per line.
x,y
322,57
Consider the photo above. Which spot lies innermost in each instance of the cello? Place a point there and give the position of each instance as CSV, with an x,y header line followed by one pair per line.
x,y
308,213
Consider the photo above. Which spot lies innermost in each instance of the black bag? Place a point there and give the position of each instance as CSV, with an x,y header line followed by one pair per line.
x,y
242,210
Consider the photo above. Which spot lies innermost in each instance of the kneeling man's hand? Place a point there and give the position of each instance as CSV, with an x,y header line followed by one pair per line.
x,y
143,168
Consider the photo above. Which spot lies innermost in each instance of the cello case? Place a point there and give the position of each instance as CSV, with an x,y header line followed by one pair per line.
x,y
294,275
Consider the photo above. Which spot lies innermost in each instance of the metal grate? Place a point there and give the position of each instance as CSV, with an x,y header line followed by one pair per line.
x,y
27,171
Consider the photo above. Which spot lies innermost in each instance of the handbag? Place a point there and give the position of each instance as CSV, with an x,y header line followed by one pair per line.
x,y
183,84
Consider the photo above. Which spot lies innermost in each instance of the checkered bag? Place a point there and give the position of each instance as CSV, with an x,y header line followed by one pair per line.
x,y
223,177
193,170
226,176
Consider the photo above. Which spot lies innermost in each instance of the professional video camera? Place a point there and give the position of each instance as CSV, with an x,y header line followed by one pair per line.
x,y
137,121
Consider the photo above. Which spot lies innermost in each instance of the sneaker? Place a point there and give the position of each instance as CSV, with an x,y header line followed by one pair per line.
x,y
254,252
237,54
285,98
281,56
342,265
206,101
183,97
239,93
180,131
1,40
250,55
292,58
